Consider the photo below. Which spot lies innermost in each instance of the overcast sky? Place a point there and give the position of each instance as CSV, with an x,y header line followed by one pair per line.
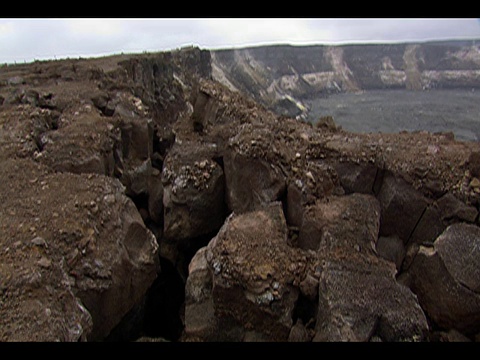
x,y
40,39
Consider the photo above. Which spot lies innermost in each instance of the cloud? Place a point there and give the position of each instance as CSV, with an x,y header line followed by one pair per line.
x,y
238,32
30,39
391,29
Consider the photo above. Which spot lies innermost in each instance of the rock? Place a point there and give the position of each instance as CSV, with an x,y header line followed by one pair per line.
x,y
391,249
357,177
251,270
99,262
88,145
451,336
327,123
45,308
295,204
16,80
102,101
30,97
474,163
251,183
360,300
459,248
351,221
137,138
474,183
131,253
200,320
39,241
193,197
136,177
298,333
136,150
354,303
155,197
445,279
318,182
204,111
441,213
401,207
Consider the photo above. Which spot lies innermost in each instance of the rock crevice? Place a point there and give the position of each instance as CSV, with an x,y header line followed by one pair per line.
x,y
139,191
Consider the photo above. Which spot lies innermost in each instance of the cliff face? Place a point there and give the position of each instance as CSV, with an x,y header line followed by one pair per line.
x,y
282,76
142,198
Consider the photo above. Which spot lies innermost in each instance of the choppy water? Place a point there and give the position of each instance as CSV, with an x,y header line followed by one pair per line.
x,y
388,111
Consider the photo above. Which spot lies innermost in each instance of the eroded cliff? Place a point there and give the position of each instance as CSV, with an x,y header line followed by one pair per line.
x,y
282,77
141,198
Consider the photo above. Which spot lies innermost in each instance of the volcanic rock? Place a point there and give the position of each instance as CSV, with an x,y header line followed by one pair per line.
x,y
193,195
92,243
445,278
248,277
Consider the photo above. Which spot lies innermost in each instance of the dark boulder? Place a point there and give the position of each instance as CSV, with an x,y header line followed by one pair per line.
x,y
401,207
251,183
446,280
193,192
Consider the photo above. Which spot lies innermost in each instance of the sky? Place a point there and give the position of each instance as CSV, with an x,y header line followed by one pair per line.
x,y
30,39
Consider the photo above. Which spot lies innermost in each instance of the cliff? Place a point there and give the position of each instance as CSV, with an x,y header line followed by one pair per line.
x,y
281,76
142,199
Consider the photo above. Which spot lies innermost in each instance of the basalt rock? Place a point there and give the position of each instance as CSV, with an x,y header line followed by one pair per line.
x,y
193,192
313,233
246,279
356,286
251,183
445,278
86,261
402,207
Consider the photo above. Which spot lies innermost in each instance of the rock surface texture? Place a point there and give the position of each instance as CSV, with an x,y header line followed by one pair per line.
x,y
147,197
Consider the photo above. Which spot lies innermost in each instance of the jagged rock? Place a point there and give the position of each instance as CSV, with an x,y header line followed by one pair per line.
x,y
445,279
298,333
458,246
247,275
155,196
88,145
359,178
401,207
104,103
94,264
251,183
193,192
77,246
441,213
318,181
200,320
391,248
136,177
204,111
340,218
359,297
474,163
137,138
